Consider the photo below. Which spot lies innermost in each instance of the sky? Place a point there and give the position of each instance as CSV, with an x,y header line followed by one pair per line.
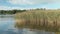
x,y
29,4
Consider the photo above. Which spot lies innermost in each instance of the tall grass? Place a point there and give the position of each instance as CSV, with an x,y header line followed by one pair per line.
x,y
39,19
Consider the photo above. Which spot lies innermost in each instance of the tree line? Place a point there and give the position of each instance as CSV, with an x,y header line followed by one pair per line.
x,y
10,11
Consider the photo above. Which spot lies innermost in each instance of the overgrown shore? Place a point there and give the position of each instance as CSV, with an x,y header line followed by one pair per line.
x,y
39,19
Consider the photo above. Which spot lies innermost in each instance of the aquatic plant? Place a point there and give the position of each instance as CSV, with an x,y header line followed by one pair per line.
x,y
39,19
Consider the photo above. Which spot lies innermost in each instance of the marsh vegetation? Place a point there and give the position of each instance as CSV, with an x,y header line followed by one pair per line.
x,y
48,20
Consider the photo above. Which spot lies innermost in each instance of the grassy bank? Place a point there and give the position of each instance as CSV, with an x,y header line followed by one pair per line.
x,y
39,19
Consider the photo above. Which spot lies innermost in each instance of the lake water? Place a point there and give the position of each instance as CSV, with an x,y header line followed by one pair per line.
x,y
7,23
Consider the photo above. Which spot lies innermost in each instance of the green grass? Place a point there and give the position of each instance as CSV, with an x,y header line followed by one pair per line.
x,y
40,19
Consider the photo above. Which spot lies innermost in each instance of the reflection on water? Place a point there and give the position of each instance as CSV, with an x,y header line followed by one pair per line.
x,y
28,31
7,27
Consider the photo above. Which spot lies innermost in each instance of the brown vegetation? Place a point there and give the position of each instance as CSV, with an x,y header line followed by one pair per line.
x,y
39,19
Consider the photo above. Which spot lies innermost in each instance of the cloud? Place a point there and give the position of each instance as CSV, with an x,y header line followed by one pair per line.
x,y
4,8
21,2
31,2
11,8
20,8
8,8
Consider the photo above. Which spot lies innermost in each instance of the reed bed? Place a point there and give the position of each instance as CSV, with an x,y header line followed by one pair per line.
x,y
39,19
